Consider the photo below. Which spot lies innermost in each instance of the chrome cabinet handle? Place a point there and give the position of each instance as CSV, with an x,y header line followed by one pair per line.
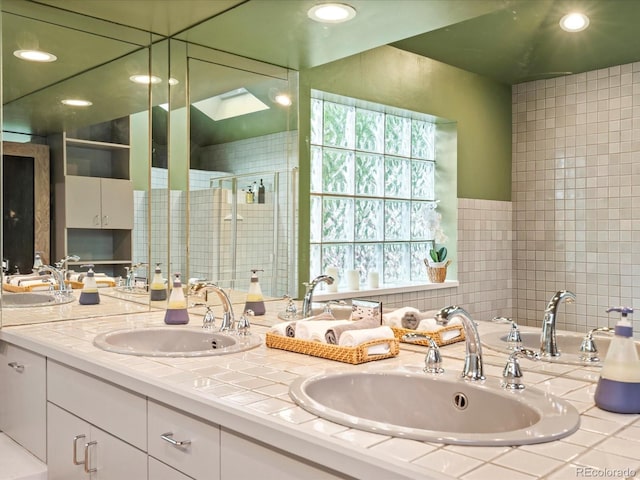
x,y
105,220
87,469
96,220
18,367
168,437
75,450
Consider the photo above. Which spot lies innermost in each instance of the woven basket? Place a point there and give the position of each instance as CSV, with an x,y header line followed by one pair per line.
x,y
437,274
353,355
435,335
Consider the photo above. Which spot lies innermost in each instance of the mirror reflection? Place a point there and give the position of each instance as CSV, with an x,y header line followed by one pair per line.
x,y
195,185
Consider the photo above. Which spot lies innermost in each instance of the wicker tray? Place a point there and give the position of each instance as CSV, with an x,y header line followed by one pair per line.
x,y
41,287
436,335
353,355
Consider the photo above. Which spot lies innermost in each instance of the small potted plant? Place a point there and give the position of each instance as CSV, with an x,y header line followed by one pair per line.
x,y
437,264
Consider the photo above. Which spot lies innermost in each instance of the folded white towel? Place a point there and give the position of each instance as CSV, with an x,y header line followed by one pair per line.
x,y
353,338
37,283
281,328
315,330
18,280
394,319
430,325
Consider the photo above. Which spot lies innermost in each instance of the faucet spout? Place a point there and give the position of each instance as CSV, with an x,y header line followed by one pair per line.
x,y
308,296
548,342
473,363
57,274
228,318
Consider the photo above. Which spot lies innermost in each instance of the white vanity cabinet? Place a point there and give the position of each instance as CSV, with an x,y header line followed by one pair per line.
x,y
79,450
95,429
93,202
23,397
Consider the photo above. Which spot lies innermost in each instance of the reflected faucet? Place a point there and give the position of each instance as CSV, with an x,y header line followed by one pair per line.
x,y
56,273
203,288
308,296
473,364
548,343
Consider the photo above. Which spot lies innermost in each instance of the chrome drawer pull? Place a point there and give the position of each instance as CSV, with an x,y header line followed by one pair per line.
x,y
75,450
168,437
86,458
18,367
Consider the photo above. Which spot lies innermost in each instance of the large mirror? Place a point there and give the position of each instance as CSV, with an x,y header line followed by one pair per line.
x,y
160,136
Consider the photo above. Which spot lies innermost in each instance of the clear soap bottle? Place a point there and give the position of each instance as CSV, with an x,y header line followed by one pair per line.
x,y
176,313
158,288
618,388
89,294
255,299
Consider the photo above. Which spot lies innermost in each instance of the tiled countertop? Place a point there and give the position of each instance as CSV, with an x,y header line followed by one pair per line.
x,y
248,392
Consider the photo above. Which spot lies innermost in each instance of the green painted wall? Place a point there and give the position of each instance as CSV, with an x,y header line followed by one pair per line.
x,y
481,108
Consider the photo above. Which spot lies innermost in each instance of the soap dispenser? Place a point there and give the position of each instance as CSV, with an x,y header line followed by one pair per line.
x,y
89,294
618,387
158,289
176,313
255,299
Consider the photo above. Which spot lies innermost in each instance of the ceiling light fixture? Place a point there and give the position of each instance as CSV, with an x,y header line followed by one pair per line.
x,y
145,79
35,56
331,12
76,102
574,22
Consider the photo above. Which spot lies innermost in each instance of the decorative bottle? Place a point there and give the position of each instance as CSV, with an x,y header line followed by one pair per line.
x,y
176,313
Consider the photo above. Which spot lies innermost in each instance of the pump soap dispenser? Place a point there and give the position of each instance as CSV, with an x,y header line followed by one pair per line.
x,y
176,313
37,262
255,299
158,290
618,387
89,294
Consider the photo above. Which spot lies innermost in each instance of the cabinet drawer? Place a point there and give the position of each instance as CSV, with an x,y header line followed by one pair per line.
x,y
200,458
100,403
160,471
23,407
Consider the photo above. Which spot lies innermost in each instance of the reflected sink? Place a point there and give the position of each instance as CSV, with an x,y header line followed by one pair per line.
x,y
443,409
174,342
30,299
568,344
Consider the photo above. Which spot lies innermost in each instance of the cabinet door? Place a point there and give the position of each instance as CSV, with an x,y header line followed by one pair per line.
x,y
23,398
82,202
117,203
114,459
160,471
67,436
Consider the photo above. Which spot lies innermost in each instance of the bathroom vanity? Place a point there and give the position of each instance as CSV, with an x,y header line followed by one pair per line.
x,y
223,417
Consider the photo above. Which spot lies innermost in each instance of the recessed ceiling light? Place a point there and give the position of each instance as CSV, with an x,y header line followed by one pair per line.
x,y
574,22
145,79
331,12
283,99
76,102
35,56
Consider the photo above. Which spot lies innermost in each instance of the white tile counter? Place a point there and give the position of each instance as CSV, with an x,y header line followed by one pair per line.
x,y
248,393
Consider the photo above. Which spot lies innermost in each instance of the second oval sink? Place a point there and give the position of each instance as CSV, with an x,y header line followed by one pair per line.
x,y
173,342
443,409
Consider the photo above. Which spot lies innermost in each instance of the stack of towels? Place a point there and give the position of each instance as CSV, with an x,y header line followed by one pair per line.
x,y
31,282
413,319
346,333
102,280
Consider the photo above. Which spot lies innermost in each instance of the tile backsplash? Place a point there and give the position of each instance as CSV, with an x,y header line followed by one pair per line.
x,y
576,195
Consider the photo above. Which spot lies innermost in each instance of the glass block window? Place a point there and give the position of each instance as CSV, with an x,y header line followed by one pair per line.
x,y
372,189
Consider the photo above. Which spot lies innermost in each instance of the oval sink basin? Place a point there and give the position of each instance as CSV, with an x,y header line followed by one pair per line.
x,y
173,342
31,299
443,409
568,344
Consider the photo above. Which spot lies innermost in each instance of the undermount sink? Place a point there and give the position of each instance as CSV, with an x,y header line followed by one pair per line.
x,y
31,299
174,342
435,408
568,344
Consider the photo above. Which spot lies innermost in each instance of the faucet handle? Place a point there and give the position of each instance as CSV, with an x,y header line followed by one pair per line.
x,y
512,374
433,359
243,324
209,319
588,349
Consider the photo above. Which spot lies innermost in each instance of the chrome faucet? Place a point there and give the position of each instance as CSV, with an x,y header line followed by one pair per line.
x,y
203,288
56,273
473,364
308,296
548,343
